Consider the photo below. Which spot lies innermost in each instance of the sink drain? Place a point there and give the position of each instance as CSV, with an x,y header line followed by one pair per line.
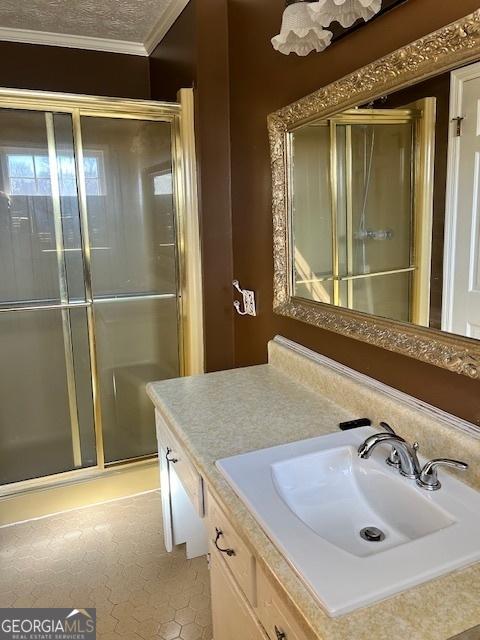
x,y
372,534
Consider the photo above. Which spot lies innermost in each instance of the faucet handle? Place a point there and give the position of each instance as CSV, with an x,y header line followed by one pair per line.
x,y
386,427
428,478
393,459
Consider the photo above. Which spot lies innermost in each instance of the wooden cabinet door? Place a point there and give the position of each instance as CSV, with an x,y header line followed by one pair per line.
x,y
241,563
275,615
232,617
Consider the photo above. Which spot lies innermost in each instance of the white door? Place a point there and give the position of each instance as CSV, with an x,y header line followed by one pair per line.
x,y
461,303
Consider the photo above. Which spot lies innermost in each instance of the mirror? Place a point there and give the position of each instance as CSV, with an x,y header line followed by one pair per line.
x,y
369,207
376,211
361,185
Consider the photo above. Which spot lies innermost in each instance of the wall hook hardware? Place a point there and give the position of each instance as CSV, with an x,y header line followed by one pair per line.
x,y
249,306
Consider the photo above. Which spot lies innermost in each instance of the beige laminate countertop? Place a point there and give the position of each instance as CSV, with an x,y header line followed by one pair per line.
x,y
223,414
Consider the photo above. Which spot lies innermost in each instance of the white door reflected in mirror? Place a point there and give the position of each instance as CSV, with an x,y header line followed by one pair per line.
x,y
461,303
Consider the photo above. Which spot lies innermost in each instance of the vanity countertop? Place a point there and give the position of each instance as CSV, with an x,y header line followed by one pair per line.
x,y
223,414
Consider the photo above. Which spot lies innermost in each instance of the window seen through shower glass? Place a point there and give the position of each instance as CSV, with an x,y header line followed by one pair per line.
x,y
28,260
29,175
28,240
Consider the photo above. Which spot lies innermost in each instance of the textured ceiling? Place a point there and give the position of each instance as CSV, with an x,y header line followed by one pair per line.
x,y
130,20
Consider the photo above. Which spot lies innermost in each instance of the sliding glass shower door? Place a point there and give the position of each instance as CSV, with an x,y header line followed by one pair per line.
x,y
131,221
46,417
88,288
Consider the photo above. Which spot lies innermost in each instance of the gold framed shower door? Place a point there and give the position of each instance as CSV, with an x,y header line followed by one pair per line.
x,y
188,292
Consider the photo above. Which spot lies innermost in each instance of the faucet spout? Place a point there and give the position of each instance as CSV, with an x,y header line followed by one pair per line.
x,y
365,450
409,464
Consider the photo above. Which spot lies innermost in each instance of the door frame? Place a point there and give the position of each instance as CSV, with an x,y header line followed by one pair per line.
x,y
190,301
457,81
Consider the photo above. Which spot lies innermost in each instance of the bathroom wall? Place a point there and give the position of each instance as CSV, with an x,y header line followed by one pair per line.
x,y
173,64
195,53
45,68
239,79
195,46
261,81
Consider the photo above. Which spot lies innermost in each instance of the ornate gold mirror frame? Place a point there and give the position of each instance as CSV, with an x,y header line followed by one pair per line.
x,y
441,51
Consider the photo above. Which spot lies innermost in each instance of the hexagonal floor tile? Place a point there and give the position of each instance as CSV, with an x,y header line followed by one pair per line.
x,y
111,557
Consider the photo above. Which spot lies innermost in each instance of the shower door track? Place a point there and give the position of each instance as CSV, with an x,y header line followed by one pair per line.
x,y
72,477
182,159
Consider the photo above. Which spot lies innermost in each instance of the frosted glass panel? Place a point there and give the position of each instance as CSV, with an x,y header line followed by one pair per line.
x,y
137,342
28,261
28,244
388,296
311,214
128,171
83,385
35,426
382,200
45,352
351,200
127,167
70,213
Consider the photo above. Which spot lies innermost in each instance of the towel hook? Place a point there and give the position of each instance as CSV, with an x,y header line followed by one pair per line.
x,y
249,306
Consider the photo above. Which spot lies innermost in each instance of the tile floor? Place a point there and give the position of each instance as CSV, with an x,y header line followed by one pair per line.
x,y
110,557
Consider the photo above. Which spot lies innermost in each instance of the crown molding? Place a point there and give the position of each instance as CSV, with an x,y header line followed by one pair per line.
x,y
72,42
156,35
161,28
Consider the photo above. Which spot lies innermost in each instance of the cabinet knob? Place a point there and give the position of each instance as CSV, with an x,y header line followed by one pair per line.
x,y
280,634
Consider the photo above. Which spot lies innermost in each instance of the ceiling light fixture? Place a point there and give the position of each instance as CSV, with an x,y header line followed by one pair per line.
x,y
300,33
303,24
346,12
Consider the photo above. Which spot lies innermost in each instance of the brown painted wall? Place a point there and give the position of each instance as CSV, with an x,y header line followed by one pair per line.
x,y
262,81
30,66
173,64
195,52
239,79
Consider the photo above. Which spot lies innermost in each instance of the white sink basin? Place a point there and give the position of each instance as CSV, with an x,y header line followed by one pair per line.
x,y
315,497
337,495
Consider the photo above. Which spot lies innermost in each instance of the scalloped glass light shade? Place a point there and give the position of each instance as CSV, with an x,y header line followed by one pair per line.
x,y
300,34
346,12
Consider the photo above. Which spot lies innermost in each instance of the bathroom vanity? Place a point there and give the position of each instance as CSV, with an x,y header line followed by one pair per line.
x,y
259,589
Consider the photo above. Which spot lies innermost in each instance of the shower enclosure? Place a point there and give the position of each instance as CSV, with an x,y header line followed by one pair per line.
x,y
361,211
90,295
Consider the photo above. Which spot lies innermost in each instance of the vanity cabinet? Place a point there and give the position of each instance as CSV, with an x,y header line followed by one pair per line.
x,y
245,603
229,549
182,495
274,614
232,617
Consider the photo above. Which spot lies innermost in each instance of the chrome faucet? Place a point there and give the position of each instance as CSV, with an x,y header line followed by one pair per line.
x,y
404,456
407,454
